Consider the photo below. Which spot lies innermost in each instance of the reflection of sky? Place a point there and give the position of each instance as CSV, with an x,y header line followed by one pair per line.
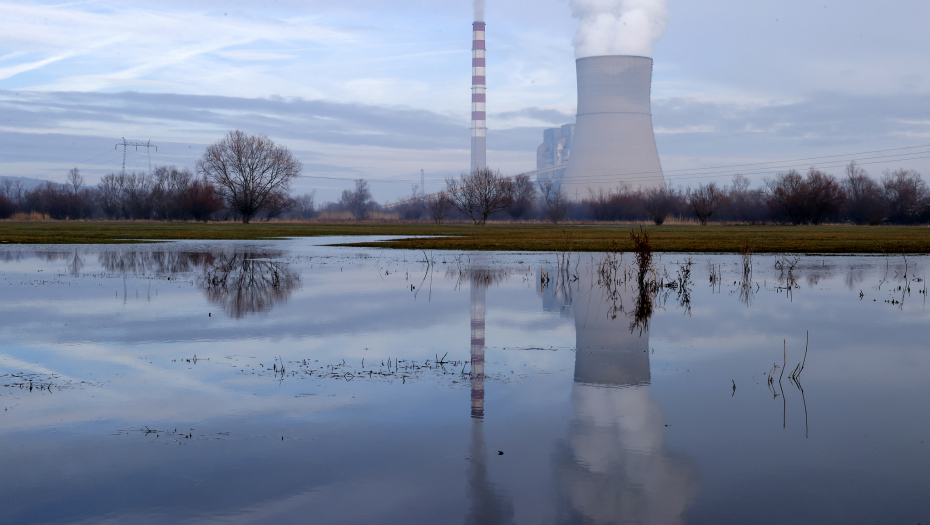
x,y
403,448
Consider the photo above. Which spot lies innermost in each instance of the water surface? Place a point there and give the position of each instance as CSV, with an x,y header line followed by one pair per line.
x,y
269,382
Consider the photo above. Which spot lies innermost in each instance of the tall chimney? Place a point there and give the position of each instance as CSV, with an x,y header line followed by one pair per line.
x,y
479,123
614,143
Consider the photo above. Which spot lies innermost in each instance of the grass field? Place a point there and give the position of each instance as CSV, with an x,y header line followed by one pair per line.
x,y
504,236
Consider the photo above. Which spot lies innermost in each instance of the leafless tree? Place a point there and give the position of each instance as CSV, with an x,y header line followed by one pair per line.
x,y
169,185
825,196
305,205
358,201
744,204
15,192
864,203
480,193
906,194
809,200
413,206
524,196
439,208
7,208
787,195
554,200
110,195
248,170
137,189
75,180
278,203
706,200
658,203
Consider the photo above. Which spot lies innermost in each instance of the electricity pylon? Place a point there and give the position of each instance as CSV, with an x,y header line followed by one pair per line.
x,y
147,145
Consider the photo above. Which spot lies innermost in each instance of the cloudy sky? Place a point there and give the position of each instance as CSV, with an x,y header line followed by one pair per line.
x,y
381,90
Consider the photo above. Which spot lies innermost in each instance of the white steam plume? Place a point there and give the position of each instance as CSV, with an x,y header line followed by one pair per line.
x,y
479,10
617,27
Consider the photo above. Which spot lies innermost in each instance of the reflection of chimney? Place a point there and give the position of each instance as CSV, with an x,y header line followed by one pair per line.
x,y
613,141
477,349
479,123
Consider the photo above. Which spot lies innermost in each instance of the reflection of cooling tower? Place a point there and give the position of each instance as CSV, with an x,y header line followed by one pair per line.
x,y
606,352
613,143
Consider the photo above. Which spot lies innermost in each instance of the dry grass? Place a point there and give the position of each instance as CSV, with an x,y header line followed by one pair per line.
x,y
496,236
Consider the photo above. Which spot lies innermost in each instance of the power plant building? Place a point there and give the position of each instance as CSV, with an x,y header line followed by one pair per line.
x,y
553,154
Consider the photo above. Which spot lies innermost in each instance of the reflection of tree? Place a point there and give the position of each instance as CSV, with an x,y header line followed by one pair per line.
x,y
241,283
158,263
74,259
247,283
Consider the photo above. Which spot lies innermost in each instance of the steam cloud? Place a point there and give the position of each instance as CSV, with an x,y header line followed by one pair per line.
x,y
479,10
617,27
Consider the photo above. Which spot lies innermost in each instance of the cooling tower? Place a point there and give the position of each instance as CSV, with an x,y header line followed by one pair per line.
x,y
613,143
479,124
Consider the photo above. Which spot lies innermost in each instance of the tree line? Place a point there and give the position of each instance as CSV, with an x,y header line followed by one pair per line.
x,y
898,197
245,177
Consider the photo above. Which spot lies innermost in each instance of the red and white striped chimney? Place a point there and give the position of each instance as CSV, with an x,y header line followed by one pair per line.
x,y
479,123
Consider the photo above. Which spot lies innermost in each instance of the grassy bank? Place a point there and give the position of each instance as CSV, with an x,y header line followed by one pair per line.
x,y
517,237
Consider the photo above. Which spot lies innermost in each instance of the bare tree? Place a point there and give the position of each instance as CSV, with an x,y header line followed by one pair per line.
x,y
75,180
554,200
524,196
787,195
110,195
658,203
413,206
744,204
706,200
480,193
137,189
7,206
305,205
825,196
358,201
439,208
809,200
864,203
169,185
906,194
248,171
278,203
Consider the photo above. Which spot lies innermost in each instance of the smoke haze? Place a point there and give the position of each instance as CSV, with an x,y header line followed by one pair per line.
x,y
479,10
617,27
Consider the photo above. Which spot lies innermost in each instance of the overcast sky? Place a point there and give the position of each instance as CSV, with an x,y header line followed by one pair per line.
x,y
380,90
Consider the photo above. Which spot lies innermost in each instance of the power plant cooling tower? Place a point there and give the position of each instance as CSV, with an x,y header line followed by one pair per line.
x,y
479,123
613,142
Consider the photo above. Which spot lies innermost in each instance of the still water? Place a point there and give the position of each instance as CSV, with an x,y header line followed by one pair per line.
x,y
290,381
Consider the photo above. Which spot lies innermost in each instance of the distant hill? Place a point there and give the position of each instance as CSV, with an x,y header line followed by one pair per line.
x,y
28,183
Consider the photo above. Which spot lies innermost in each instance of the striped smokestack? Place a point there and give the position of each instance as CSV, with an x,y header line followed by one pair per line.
x,y
479,123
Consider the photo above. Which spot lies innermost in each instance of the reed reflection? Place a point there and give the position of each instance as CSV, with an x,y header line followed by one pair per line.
x,y
614,466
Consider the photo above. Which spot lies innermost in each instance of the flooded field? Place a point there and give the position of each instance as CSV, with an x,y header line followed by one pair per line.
x,y
287,381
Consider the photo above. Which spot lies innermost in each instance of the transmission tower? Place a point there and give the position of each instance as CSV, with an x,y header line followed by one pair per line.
x,y
147,145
